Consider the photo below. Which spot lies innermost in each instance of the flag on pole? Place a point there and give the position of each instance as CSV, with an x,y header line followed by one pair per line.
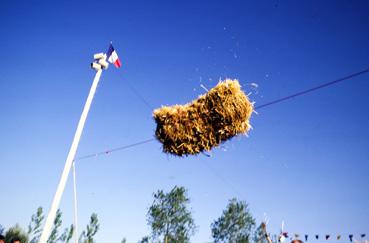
x,y
112,56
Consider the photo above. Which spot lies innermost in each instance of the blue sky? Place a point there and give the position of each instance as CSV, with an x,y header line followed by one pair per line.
x,y
305,161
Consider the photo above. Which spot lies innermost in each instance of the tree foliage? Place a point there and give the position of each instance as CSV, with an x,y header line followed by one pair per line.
x,y
169,217
67,235
259,234
87,235
145,239
54,235
34,227
16,231
235,224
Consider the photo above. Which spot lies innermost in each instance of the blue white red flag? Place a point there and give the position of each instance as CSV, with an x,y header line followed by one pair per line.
x,y
112,56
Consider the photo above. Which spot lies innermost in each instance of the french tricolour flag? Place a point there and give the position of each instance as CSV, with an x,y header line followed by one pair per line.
x,y
113,56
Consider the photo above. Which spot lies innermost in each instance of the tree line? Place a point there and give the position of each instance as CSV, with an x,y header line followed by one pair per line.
x,y
57,235
169,218
171,221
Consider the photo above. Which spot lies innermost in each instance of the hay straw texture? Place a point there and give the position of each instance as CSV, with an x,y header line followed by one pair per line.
x,y
206,122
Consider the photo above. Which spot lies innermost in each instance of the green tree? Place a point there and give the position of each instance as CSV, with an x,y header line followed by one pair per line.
x,y
87,235
260,234
54,235
16,231
169,217
145,239
67,234
34,227
2,229
235,225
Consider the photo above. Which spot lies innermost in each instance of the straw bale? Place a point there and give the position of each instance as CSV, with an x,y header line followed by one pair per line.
x,y
213,118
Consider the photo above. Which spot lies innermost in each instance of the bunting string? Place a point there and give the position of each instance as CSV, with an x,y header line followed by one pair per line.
x,y
361,237
108,151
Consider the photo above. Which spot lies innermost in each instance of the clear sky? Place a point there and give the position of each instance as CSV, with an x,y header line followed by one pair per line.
x,y
305,161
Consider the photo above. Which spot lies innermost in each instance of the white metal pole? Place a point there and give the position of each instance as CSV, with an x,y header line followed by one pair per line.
x,y
75,231
68,163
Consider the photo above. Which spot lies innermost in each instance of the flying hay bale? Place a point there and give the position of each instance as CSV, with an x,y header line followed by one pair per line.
x,y
206,122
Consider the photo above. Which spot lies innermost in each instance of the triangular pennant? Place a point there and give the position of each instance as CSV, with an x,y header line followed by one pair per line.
x,y
306,237
327,237
350,236
363,235
338,237
317,237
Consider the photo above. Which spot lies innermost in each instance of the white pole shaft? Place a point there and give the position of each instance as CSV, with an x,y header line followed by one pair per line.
x,y
75,232
68,163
